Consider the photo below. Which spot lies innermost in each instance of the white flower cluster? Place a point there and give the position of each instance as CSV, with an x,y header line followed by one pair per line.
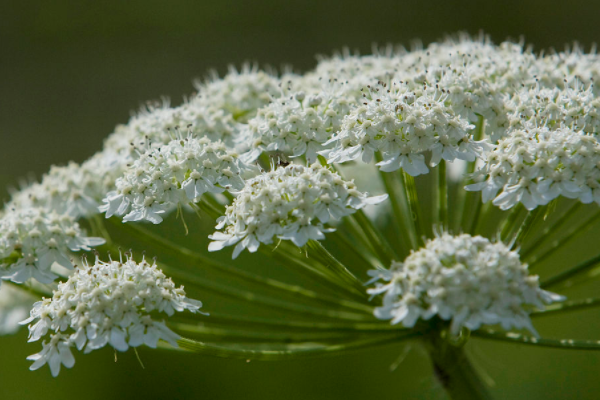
x,y
406,104
290,203
174,174
574,106
549,147
573,62
358,70
505,88
466,279
472,76
432,97
216,113
213,113
240,93
301,123
536,166
442,91
31,240
402,124
72,189
425,108
105,303
158,124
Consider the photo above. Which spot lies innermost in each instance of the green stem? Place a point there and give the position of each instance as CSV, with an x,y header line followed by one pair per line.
x,y
415,216
365,230
511,337
476,214
339,269
548,232
97,223
225,334
288,255
571,273
526,225
567,306
352,230
511,222
454,371
483,218
358,252
269,323
264,301
440,206
162,242
563,241
208,207
460,203
466,198
187,255
407,236
286,352
378,241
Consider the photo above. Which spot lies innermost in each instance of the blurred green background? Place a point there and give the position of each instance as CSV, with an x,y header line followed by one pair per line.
x,y
71,70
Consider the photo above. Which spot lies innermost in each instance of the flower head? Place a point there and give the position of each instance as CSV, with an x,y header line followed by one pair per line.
x,y
105,303
572,106
299,124
466,279
240,93
555,67
291,203
72,189
32,239
536,166
157,124
174,174
402,124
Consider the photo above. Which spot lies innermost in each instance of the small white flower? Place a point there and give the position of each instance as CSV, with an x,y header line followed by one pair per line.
x,y
291,203
149,332
465,279
105,304
54,353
